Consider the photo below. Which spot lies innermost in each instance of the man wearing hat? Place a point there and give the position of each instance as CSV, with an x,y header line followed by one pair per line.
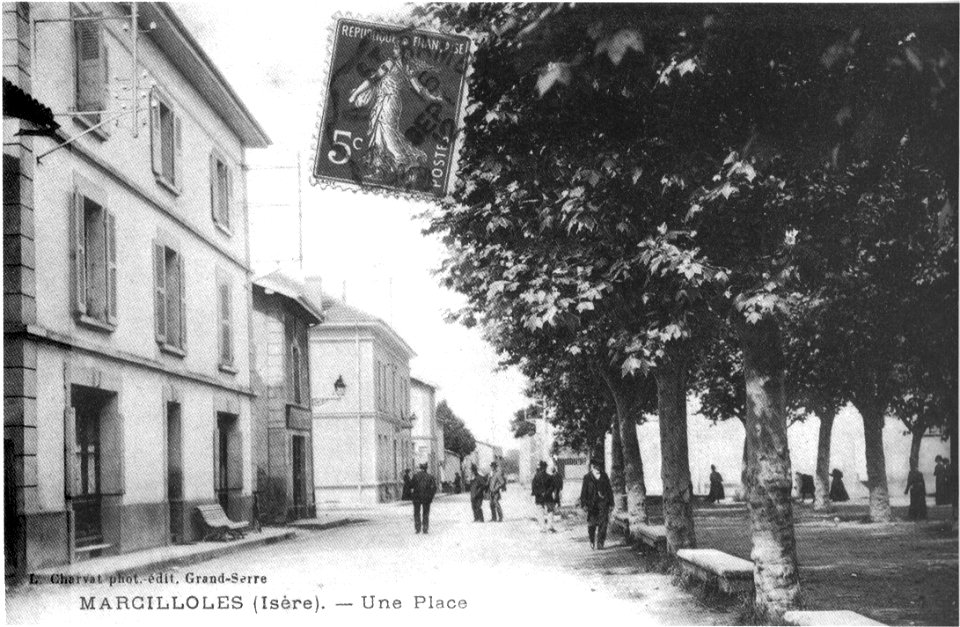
x,y
542,492
596,497
423,487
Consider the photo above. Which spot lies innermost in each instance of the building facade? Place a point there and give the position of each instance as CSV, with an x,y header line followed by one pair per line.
x,y
361,435
126,286
427,433
281,410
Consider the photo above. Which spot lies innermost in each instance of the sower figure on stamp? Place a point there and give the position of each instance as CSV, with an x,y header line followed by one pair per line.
x,y
498,483
596,498
389,153
423,487
478,488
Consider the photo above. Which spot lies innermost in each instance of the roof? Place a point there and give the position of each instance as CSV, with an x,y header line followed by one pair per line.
x,y
19,104
336,313
293,289
424,382
185,53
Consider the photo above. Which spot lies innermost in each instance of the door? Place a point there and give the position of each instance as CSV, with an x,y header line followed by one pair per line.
x,y
88,524
222,487
299,476
174,473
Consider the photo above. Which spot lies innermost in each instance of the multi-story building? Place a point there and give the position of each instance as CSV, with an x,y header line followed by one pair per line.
x,y
361,432
281,410
427,433
126,285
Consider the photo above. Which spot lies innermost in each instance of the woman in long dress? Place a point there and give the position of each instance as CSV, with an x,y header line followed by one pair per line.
x,y
838,492
917,489
389,152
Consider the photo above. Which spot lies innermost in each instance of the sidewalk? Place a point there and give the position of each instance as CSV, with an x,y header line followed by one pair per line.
x,y
161,558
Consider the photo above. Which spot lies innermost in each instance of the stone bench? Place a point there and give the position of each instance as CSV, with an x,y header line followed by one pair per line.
x,y
835,617
654,536
730,573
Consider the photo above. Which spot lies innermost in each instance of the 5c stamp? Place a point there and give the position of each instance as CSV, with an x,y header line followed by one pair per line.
x,y
392,108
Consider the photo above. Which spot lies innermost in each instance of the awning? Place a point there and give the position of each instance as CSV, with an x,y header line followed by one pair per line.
x,y
21,105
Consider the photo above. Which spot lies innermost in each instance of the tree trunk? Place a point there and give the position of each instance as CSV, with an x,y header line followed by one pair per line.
x,y
821,479
616,470
916,437
876,462
675,462
768,475
625,402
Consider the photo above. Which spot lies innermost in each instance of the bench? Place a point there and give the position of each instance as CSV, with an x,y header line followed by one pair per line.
x,y
654,536
219,527
835,617
731,574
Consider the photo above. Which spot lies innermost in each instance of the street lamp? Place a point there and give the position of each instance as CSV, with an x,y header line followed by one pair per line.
x,y
339,389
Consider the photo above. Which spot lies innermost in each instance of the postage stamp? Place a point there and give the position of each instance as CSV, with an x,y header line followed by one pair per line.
x,y
392,105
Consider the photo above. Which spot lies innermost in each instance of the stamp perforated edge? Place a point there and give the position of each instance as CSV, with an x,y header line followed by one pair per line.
x,y
400,22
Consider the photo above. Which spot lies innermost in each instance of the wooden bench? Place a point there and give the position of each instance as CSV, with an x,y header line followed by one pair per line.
x,y
219,527
835,617
654,536
730,573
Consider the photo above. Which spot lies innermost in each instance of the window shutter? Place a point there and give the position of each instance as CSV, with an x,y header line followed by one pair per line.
x,y
178,152
305,375
229,203
225,335
160,290
214,213
88,51
79,254
156,141
71,474
105,67
111,243
181,274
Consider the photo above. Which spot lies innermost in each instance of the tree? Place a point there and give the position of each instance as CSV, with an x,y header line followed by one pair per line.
x,y
523,423
457,438
713,135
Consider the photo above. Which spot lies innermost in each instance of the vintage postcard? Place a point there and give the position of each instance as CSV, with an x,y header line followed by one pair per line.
x,y
477,313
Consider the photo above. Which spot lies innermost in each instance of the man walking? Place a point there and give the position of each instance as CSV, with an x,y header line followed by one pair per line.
x,y
423,487
542,492
478,487
498,483
596,498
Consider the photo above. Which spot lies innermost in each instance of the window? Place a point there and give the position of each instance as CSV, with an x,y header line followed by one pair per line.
x,y
91,69
94,257
221,191
297,373
170,300
166,142
225,324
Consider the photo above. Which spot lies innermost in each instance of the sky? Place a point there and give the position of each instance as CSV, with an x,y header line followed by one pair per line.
x,y
368,246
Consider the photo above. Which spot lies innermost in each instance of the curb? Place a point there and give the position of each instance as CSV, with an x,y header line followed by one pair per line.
x,y
333,524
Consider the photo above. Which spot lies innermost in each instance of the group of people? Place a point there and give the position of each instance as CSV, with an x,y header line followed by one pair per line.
x,y
917,488
490,487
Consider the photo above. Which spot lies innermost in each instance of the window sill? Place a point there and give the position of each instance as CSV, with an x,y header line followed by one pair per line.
x,y
96,323
170,349
228,369
167,185
223,229
85,122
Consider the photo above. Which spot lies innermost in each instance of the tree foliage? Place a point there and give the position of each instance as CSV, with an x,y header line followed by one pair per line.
x,y
457,438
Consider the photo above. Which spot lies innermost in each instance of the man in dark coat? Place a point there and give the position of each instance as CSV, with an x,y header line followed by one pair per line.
x,y
497,483
423,487
542,491
716,486
596,498
478,488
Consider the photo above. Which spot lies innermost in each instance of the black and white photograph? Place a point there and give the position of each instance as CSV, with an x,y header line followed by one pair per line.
x,y
374,312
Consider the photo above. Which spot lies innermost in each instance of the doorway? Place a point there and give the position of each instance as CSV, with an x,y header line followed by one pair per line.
x,y
299,471
89,406
174,473
228,463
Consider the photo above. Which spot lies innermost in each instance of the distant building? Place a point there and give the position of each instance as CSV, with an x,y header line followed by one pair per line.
x,y
126,288
362,439
427,433
534,449
483,455
282,420
451,466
